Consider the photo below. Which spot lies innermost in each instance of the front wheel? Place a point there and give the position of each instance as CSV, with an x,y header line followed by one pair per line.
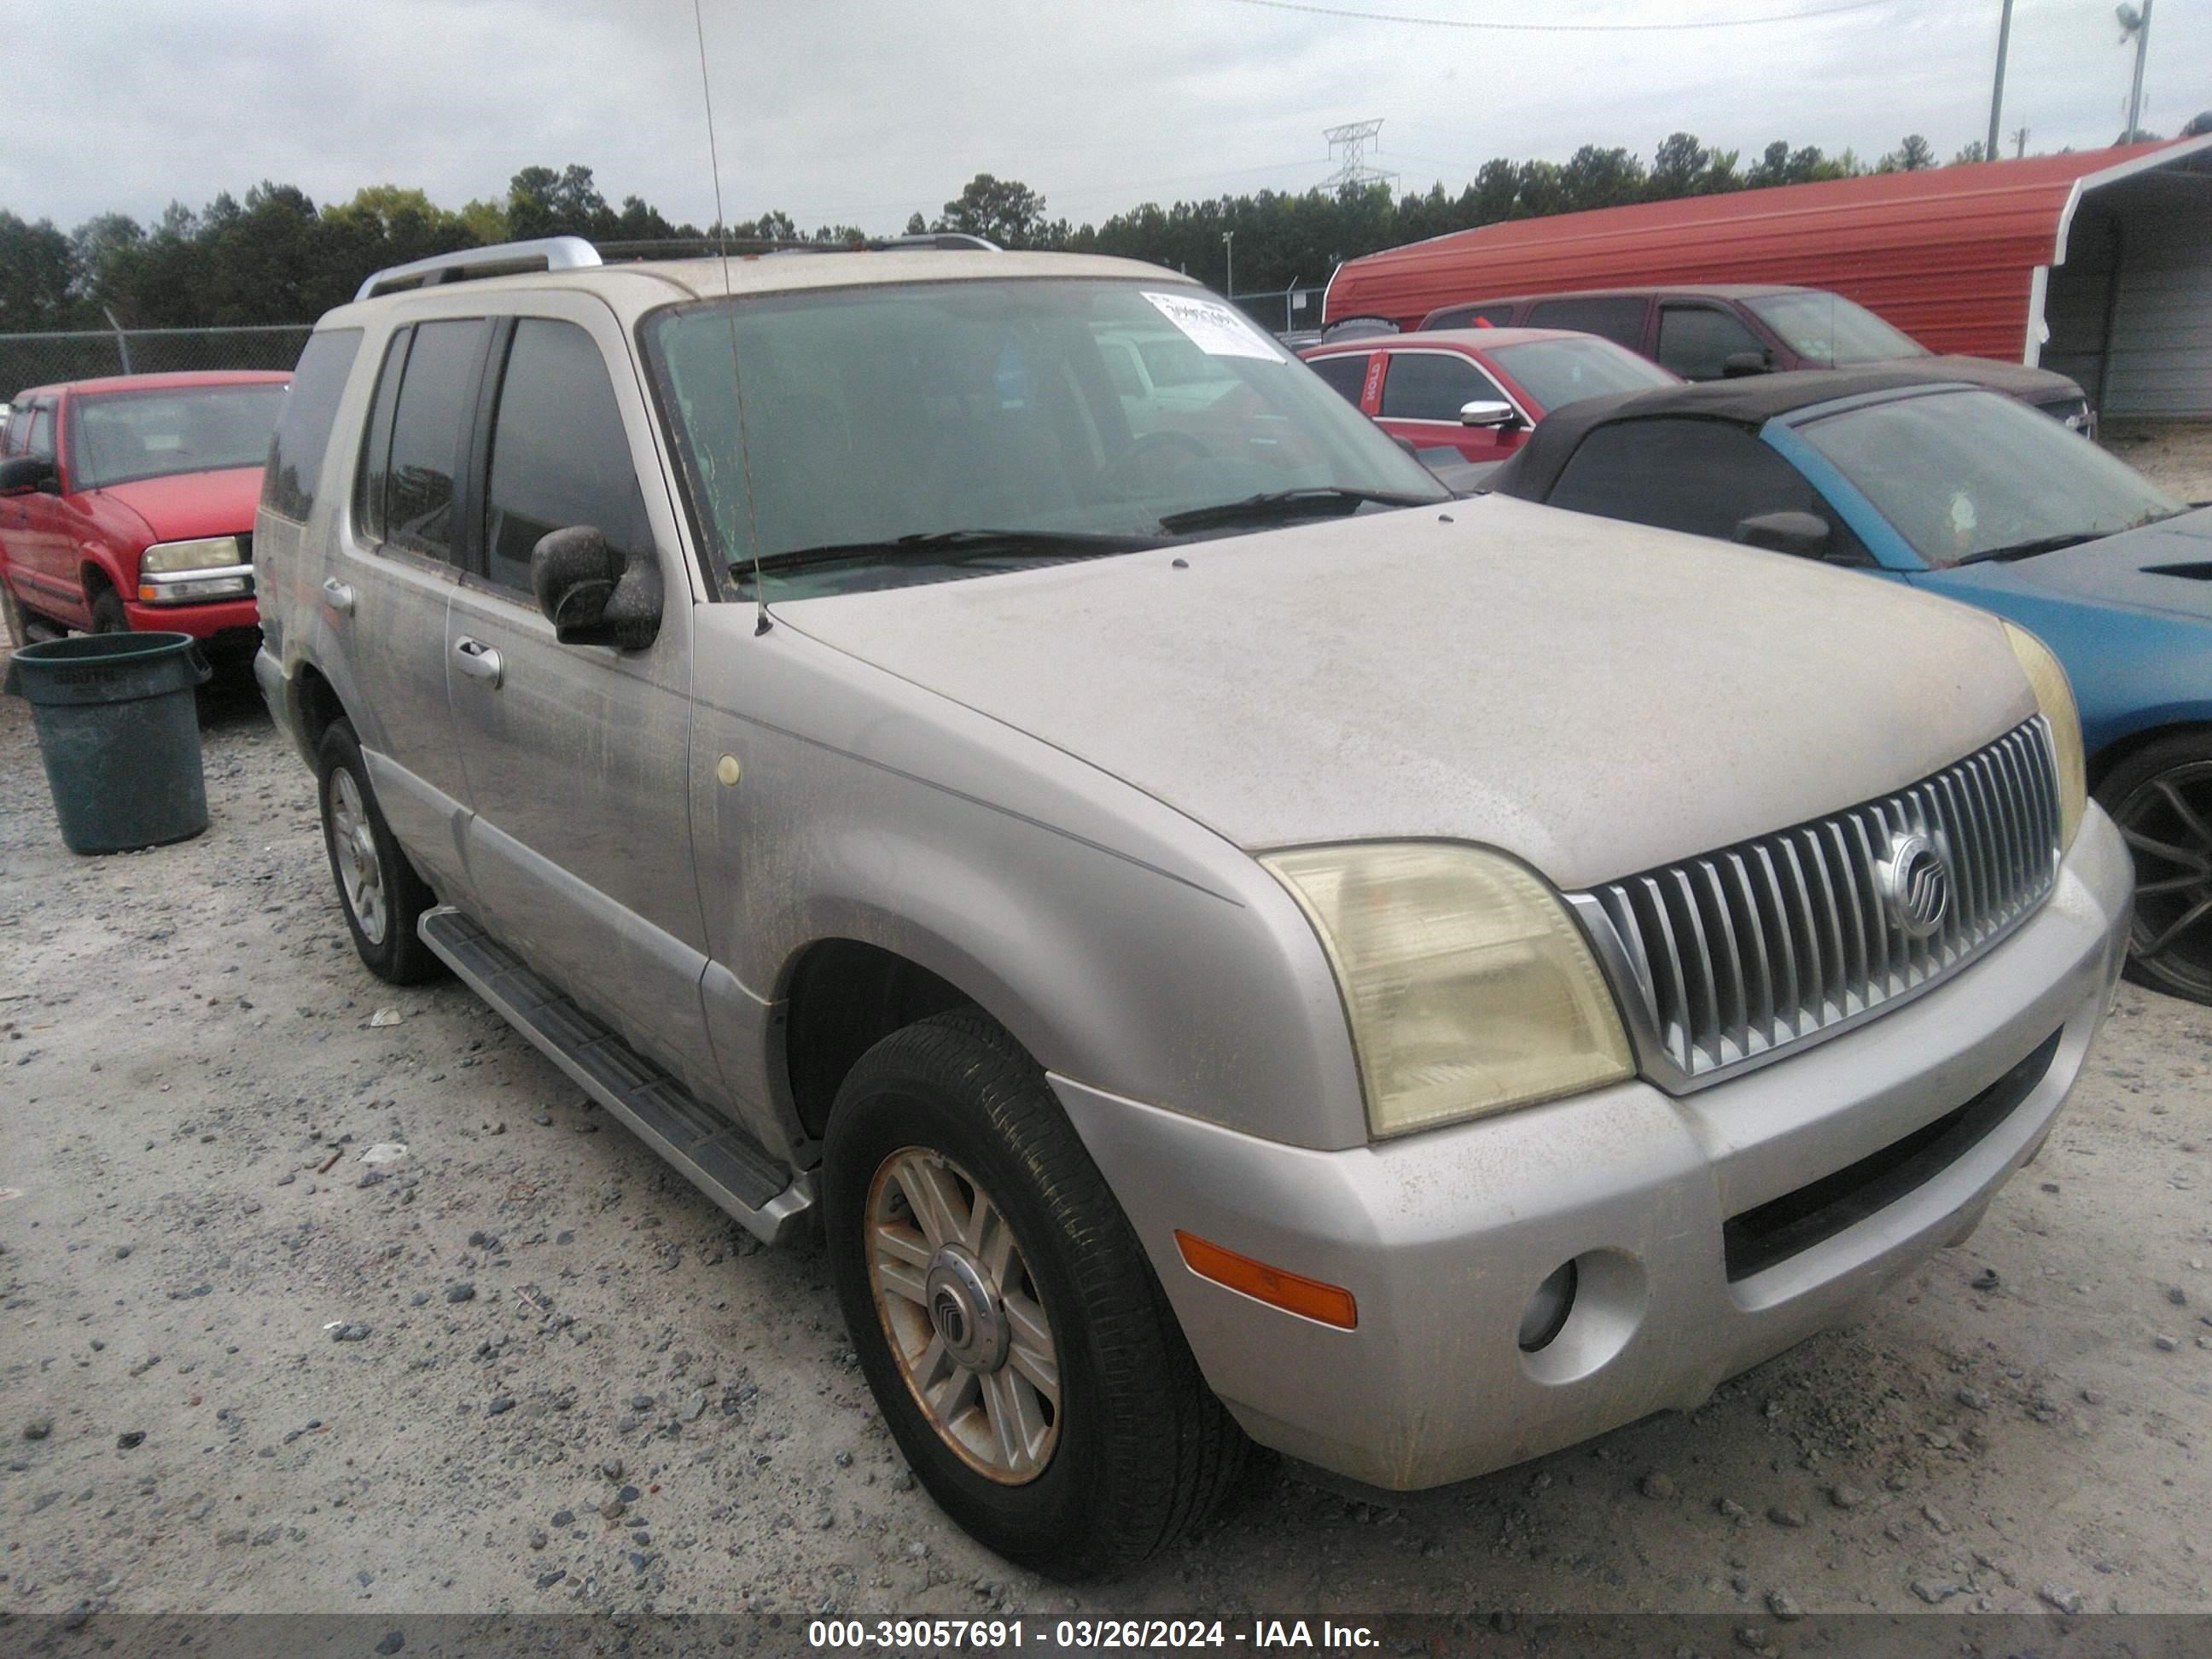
x,y
2160,797
108,616
1023,1356
378,889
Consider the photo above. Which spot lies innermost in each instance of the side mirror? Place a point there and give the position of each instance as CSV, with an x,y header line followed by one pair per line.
x,y
1805,534
19,473
1489,412
591,594
1738,363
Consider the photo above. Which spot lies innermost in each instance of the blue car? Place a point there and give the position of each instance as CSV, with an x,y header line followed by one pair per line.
x,y
1960,492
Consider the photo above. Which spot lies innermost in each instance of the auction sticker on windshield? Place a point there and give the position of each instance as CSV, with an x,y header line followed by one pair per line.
x,y
1216,329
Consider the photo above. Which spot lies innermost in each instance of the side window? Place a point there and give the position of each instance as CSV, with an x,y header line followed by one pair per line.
x,y
559,455
1431,386
303,428
375,470
1344,373
435,398
1696,342
1617,317
41,439
1702,477
1472,317
17,429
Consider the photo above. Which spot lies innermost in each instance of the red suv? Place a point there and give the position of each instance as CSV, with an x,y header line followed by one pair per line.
x,y
128,503
1475,390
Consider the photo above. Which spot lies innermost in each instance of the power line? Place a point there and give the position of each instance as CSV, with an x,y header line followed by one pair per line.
x,y
1563,28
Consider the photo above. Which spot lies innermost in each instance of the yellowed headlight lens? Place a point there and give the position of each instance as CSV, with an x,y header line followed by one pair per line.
x,y
1470,988
2054,696
211,553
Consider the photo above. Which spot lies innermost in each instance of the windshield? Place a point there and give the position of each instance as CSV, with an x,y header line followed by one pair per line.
x,y
1556,373
1967,474
118,436
1826,328
1070,409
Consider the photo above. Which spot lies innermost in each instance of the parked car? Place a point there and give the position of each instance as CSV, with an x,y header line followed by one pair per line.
x,y
128,503
1223,939
1948,489
1717,330
1477,391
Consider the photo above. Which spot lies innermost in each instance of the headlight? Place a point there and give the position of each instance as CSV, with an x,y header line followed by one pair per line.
x,y
2054,696
210,553
1468,986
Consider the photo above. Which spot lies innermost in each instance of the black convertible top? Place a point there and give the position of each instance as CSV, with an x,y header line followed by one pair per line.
x,y
1749,401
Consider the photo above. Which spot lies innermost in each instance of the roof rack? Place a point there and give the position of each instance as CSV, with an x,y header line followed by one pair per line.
x,y
503,259
573,252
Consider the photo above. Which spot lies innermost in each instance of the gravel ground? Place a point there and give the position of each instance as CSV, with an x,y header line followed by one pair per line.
x,y
249,1367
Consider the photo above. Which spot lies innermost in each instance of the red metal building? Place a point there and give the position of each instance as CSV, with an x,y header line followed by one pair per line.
x,y
2098,263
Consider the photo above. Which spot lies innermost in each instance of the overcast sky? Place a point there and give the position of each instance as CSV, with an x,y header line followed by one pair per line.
x,y
864,111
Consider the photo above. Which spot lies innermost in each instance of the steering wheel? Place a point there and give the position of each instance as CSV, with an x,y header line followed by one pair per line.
x,y
1165,442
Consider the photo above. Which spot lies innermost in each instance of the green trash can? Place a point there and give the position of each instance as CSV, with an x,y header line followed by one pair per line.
x,y
119,730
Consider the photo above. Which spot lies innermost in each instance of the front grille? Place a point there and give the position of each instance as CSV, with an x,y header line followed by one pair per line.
x,y
1730,958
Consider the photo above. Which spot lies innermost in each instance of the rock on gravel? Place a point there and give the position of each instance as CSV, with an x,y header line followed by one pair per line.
x,y
2059,1596
1656,1484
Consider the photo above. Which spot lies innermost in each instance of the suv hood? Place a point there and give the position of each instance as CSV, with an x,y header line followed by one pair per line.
x,y
190,504
2030,385
1596,697
2166,566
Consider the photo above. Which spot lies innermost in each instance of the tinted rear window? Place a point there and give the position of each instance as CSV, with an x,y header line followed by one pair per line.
x,y
1470,317
1701,476
1619,319
303,428
435,393
1345,375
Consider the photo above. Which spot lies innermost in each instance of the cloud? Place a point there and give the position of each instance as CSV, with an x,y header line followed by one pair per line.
x,y
864,111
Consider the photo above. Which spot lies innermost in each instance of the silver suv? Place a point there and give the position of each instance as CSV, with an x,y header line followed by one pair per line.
x,y
1227,943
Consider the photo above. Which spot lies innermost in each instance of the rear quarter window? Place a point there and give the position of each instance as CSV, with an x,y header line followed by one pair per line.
x,y
303,429
1617,319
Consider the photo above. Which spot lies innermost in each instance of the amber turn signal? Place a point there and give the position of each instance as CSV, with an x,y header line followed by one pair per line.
x,y
1326,1305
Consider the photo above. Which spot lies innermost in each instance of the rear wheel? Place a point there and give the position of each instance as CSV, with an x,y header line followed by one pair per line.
x,y
378,889
2160,797
1023,1354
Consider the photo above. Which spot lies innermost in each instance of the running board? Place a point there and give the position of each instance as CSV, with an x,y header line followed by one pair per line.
x,y
761,1196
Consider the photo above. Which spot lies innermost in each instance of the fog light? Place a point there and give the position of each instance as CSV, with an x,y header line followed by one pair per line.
x,y
1548,1309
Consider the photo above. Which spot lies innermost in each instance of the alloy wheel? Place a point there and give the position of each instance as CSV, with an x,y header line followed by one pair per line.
x,y
963,1315
360,874
2168,822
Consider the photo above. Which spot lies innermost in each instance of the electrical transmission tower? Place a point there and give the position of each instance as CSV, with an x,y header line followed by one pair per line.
x,y
1350,142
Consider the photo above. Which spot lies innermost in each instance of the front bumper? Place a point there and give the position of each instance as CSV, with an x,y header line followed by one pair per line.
x,y
1443,1237
204,620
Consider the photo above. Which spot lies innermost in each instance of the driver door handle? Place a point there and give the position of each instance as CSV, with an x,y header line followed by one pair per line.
x,y
337,596
478,660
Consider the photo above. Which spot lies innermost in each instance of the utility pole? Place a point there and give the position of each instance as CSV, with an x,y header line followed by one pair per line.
x,y
1229,241
2020,142
2137,24
1996,91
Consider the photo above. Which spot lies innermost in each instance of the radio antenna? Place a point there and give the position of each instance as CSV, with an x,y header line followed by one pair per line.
x,y
722,248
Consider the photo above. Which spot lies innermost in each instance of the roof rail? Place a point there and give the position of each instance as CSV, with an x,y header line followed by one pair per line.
x,y
503,259
951,241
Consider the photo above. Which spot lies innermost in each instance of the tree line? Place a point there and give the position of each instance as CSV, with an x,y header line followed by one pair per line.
x,y
275,257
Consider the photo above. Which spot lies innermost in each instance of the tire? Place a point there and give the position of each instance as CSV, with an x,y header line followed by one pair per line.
x,y
1132,1449
107,613
378,889
2160,797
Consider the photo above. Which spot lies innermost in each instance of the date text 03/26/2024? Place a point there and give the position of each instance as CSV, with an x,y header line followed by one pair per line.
x,y
999,1635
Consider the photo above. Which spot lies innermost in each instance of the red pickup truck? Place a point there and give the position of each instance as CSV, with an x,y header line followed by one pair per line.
x,y
128,503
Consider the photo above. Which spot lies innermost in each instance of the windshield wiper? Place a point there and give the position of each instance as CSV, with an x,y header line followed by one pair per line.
x,y
944,546
2028,549
1272,504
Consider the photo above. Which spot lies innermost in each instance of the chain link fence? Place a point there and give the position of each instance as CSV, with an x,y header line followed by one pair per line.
x,y
29,359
